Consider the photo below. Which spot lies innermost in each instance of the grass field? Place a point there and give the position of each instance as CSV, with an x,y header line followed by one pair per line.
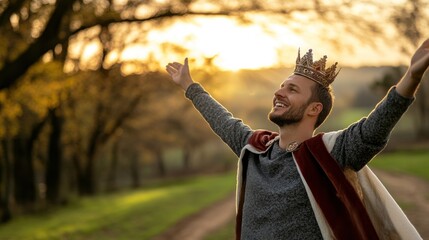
x,y
415,162
129,215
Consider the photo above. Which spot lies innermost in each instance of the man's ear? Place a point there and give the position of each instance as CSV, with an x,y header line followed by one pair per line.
x,y
315,108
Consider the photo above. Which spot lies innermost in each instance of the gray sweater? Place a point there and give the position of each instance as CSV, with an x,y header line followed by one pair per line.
x,y
276,204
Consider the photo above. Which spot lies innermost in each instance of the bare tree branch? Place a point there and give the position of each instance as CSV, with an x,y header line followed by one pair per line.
x,y
14,6
13,70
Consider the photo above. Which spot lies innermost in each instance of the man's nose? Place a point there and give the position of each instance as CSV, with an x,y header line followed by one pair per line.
x,y
279,93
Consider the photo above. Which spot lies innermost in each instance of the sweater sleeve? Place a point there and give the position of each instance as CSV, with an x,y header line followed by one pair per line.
x,y
361,141
231,130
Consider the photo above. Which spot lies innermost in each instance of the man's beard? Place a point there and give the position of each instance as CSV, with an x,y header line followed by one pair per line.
x,y
290,117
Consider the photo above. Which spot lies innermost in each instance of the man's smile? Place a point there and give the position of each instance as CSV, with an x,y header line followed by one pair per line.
x,y
280,104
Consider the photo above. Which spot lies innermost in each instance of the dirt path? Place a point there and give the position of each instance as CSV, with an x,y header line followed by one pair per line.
x,y
411,192
197,226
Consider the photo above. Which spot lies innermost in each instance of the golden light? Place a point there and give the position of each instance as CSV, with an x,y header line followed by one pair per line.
x,y
234,46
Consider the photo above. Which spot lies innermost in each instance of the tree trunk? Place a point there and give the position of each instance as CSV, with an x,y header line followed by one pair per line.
x,y
78,170
54,161
5,183
86,184
24,181
87,181
83,181
135,175
186,160
23,169
160,163
88,178
111,177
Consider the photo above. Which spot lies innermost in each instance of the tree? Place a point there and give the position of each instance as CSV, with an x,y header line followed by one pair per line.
x,y
5,183
54,159
107,100
25,115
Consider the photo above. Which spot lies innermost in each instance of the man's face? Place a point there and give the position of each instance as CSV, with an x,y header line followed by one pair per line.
x,y
291,100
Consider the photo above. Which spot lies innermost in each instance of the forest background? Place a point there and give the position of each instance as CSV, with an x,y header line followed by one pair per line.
x,y
86,107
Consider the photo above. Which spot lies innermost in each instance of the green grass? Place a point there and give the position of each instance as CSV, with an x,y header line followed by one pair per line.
x,y
415,162
342,119
352,115
139,214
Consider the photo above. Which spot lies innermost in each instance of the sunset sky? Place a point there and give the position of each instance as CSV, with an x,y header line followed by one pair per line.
x,y
251,47
236,46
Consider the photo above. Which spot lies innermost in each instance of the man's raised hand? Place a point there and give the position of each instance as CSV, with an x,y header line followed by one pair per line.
x,y
408,85
180,73
420,61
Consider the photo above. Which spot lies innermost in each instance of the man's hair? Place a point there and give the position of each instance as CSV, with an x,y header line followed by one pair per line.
x,y
326,97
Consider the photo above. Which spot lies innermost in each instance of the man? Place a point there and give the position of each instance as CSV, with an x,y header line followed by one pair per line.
x,y
294,185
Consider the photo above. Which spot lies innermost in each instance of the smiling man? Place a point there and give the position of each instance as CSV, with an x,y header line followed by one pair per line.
x,y
293,184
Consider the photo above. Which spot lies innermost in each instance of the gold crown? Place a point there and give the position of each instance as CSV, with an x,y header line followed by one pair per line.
x,y
315,70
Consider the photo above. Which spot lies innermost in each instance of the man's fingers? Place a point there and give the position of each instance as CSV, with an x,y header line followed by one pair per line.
x,y
176,65
170,69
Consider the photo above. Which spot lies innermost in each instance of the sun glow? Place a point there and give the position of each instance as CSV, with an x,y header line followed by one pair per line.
x,y
233,46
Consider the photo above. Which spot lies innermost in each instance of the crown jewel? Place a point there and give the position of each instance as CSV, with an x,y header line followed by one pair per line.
x,y
315,70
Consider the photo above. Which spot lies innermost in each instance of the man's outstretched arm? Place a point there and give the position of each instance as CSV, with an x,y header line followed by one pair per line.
x,y
231,130
361,141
